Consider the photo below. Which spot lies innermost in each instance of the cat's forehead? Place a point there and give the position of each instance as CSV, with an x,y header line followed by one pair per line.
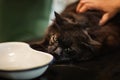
x,y
76,16
71,22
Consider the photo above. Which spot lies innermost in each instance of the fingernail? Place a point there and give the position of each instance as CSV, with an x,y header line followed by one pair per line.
x,y
101,23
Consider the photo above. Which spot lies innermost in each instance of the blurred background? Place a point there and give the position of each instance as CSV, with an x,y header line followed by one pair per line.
x,y
22,20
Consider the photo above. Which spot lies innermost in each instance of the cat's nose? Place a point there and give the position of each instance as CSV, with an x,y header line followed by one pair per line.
x,y
58,51
52,48
55,50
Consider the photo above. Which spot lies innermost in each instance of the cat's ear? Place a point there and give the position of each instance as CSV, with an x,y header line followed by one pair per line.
x,y
59,19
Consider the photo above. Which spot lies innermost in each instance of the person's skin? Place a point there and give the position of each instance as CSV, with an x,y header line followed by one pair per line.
x,y
109,7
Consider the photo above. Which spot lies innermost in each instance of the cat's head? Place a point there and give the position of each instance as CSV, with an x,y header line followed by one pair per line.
x,y
70,39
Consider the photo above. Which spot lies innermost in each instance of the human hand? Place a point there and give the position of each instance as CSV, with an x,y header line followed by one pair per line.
x,y
109,7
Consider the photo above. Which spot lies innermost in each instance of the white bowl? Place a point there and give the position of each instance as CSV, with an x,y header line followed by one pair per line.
x,y
19,61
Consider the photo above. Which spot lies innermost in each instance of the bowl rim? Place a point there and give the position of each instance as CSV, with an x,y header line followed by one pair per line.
x,y
32,68
15,42
29,69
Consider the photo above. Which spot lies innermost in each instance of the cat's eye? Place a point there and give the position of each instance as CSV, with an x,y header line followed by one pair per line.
x,y
53,39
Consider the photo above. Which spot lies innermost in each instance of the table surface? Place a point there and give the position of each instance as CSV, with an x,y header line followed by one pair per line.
x,y
106,67
67,72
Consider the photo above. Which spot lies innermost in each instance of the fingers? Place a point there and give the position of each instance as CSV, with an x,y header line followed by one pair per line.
x,y
79,6
105,18
83,6
83,9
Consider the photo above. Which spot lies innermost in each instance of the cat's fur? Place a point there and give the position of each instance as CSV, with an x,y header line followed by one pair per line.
x,y
77,36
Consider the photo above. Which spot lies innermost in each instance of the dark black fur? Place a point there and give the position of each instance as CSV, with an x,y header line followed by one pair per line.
x,y
76,37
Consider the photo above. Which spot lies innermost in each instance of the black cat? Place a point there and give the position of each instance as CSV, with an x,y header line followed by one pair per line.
x,y
77,36
78,39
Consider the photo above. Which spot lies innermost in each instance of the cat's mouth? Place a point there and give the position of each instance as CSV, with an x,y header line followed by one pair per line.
x,y
85,52
61,54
